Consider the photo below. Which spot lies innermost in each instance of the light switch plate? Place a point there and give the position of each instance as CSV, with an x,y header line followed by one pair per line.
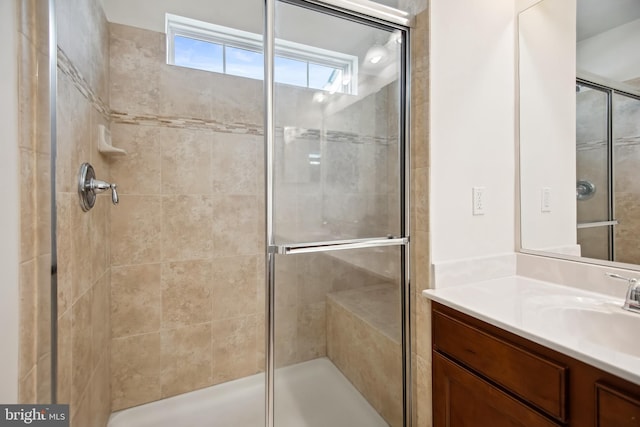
x,y
479,200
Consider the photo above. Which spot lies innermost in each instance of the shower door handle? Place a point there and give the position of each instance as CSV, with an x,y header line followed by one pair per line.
x,y
597,224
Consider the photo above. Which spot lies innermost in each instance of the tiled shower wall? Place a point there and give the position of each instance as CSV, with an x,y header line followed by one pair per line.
x,y
187,237
35,241
83,299
83,238
420,249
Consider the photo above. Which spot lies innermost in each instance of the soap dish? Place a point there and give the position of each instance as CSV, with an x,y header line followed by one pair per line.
x,y
104,143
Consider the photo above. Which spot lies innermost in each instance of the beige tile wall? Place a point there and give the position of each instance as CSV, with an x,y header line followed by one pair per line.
x,y
420,244
83,238
83,248
35,248
184,285
187,235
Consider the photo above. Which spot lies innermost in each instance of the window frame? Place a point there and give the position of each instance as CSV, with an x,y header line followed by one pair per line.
x,y
181,26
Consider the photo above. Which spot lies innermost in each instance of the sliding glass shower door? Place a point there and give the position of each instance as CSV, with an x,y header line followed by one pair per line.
x,y
608,137
593,172
336,217
626,195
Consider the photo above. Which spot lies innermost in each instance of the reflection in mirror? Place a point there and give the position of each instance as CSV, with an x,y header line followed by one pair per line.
x,y
592,172
547,126
597,42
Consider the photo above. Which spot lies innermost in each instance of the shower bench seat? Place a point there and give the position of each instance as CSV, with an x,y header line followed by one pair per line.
x,y
364,342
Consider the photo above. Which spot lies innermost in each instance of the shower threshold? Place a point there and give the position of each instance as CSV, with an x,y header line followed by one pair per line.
x,y
308,394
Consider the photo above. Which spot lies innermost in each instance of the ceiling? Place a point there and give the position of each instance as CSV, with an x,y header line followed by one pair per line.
x,y
598,16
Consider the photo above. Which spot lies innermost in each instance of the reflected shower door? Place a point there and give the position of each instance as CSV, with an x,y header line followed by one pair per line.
x,y
626,146
593,172
338,219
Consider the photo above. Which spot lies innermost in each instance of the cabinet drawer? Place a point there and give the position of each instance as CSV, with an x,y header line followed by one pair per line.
x,y
539,381
615,408
463,399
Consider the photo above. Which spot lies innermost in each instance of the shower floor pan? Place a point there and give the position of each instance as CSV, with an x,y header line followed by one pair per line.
x,y
308,394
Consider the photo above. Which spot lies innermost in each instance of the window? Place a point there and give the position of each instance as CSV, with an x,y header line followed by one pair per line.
x,y
210,47
198,54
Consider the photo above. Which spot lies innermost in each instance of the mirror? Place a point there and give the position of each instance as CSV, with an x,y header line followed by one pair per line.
x,y
579,129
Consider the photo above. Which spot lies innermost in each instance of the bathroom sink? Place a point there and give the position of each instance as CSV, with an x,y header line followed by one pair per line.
x,y
588,326
596,323
613,330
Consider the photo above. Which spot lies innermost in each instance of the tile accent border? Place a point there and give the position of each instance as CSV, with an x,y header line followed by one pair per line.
x,y
66,66
185,123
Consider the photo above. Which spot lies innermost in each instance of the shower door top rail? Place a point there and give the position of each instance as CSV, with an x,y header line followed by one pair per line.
x,y
590,79
337,245
373,9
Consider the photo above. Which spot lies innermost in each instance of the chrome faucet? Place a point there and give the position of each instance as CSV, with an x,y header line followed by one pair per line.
x,y
632,300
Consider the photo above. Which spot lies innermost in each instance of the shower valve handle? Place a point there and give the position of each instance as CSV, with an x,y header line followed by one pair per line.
x,y
89,186
99,186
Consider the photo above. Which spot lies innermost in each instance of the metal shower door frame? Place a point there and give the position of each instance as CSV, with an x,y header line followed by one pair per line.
x,y
374,14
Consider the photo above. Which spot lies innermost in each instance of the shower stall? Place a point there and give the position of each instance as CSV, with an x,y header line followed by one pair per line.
x,y
255,270
608,138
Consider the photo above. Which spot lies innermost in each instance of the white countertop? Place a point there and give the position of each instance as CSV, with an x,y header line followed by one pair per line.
x,y
588,326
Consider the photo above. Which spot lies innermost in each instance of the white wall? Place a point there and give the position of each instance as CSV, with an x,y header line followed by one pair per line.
x,y
149,14
547,64
472,127
521,5
9,214
612,54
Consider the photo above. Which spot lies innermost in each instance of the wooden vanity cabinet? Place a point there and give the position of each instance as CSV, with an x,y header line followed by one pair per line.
x,y
616,408
468,400
486,376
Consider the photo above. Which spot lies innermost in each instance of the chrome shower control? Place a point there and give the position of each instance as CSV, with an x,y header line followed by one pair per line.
x,y
585,190
88,186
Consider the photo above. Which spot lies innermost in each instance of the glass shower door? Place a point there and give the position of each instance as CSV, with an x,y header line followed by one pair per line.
x,y
339,242
593,180
607,153
626,149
